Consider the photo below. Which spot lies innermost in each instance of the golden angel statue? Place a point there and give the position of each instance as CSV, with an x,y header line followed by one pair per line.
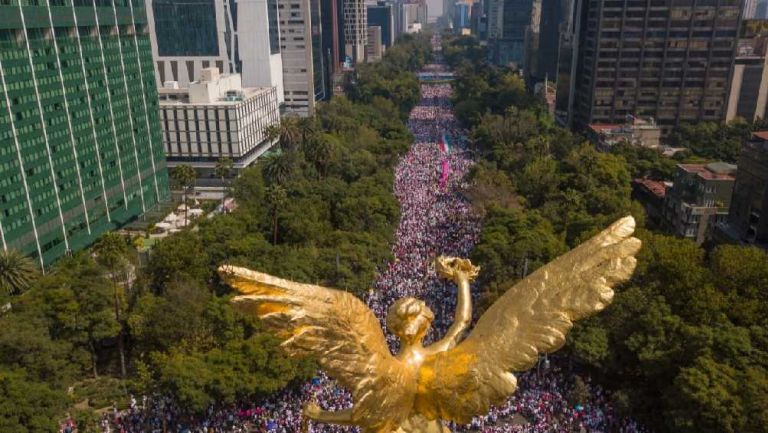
x,y
452,379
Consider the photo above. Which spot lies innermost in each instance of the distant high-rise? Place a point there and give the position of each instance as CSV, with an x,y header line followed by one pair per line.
x,y
355,29
382,15
748,216
80,145
373,50
235,36
461,16
555,15
514,32
296,49
748,97
669,60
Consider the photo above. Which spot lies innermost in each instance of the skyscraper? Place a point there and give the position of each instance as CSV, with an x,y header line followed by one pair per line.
x,y
514,32
382,15
80,145
355,29
296,48
235,36
670,60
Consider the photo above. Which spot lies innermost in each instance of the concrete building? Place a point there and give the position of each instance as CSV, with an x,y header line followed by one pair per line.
x,y
80,145
634,131
216,117
296,50
410,18
355,30
235,36
461,16
748,93
555,21
699,199
666,60
651,194
748,216
383,15
373,50
513,36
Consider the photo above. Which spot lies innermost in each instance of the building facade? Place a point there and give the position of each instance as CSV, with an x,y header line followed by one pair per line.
x,y
235,36
461,16
748,95
355,29
214,118
296,47
514,39
748,216
699,199
80,149
666,59
382,15
373,50
634,131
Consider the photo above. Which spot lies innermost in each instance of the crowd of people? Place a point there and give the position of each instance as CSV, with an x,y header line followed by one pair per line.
x,y
435,220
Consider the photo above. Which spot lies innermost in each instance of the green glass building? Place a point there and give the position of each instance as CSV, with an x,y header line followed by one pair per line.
x,y
80,140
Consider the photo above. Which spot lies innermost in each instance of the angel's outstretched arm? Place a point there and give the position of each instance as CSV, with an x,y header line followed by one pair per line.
x,y
462,273
313,412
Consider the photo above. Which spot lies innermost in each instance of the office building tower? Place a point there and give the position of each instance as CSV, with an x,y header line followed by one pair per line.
x,y
319,62
555,17
409,18
461,16
80,145
748,94
666,60
296,48
235,36
448,10
422,12
373,50
477,20
216,117
748,216
750,9
382,15
355,29
513,40
333,35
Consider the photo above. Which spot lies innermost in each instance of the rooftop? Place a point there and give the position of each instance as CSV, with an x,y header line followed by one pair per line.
x,y
711,171
655,187
763,135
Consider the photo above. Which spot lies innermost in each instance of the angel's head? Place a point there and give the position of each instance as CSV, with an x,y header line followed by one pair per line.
x,y
409,319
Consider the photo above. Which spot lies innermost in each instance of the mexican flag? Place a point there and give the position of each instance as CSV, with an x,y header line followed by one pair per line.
x,y
445,146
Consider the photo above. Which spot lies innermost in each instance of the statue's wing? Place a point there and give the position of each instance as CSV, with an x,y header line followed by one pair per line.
x,y
531,318
341,332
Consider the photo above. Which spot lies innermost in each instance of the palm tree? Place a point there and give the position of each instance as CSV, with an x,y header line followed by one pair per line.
x,y
276,197
17,272
308,128
223,171
320,151
278,168
112,252
288,132
185,176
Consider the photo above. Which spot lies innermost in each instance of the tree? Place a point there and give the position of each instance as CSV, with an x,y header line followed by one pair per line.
x,y
27,406
114,254
17,272
278,169
176,257
224,170
185,176
276,198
